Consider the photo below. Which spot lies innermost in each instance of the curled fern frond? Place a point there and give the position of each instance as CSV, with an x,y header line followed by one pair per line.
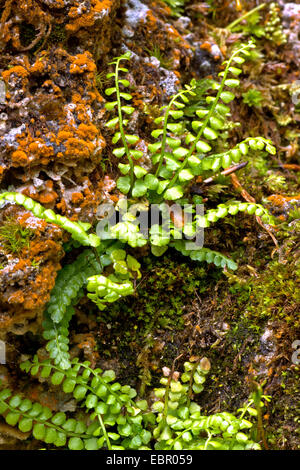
x,y
78,230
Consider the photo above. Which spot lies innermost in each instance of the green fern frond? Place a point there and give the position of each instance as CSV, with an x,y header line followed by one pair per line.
x,y
78,230
115,415
70,281
46,426
57,335
205,254
117,420
232,208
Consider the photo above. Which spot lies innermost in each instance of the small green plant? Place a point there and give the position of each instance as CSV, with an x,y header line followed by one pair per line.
x,y
273,27
275,182
156,52
101,80
253,97
14,237
176,6
252,19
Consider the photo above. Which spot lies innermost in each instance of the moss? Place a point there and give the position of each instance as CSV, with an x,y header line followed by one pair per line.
x,y
166,288
13,237
155,316
275,295
57,35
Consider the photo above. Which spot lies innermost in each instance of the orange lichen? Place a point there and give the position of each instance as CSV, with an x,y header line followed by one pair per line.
x,y
77,198
206,46
73,141
17,297
48,197
280,200
81,18
62,206
19,158
18,71
87,131
83,63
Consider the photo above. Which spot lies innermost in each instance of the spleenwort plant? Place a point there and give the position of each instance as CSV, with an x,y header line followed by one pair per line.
x,y
109,404
127,140
183,145
205,254
116,419
181,424
67,291
189,127
189,141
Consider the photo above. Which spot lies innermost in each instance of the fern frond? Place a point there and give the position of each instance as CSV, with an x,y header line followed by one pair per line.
x,y
70,280
232,208
226,159
78,230
213,118
57,336
103,289
204,254
181,424
46,426
125,183
114,413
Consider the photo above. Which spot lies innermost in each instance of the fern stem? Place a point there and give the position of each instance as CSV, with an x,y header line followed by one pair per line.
x,y
209,115
249,13
191,382
121,124
104,432
97,256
